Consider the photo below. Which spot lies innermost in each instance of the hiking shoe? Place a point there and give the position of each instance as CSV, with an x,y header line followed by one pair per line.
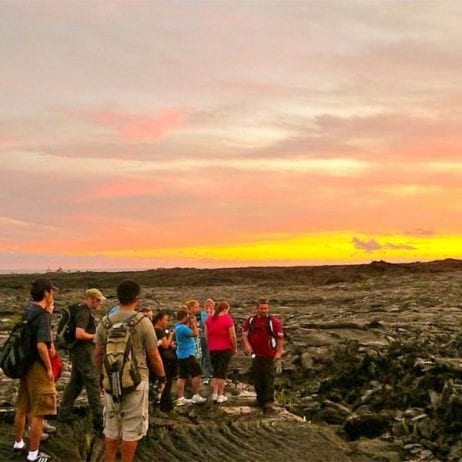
x,y
182,401
197,399
222,399
44,436
48,428
42,457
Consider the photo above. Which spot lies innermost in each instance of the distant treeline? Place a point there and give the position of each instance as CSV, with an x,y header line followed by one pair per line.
x,y
259,276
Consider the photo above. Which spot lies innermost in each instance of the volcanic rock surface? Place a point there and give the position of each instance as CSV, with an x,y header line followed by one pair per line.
x,y
372,367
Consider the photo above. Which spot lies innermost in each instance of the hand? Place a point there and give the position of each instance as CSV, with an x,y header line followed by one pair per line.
x,y
50,375
160,388
52,350
278,355
248,350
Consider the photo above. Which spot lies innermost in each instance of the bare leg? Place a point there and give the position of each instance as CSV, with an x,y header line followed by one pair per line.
x,y
36,428
128,449
215,386
111,449
19,425
196,384
180,387
221,386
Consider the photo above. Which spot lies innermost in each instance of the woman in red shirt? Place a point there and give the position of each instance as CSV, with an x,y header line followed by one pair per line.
x,y
221,339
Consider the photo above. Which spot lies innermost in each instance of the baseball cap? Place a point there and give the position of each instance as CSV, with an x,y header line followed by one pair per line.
x,y
42,284
96,293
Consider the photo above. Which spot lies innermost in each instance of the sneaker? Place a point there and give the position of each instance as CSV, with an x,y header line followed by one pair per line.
x,y
206,381
20,451
214,398
42,457
43,436
47,427
182,401
222,399
197,399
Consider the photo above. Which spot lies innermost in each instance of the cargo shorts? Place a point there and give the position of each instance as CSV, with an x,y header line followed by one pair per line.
x,y
127,419
37,393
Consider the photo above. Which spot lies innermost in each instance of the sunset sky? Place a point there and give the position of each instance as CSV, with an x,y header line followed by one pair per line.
x,y
231,133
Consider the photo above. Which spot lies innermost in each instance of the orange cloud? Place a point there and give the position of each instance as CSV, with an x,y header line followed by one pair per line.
x,y
140,127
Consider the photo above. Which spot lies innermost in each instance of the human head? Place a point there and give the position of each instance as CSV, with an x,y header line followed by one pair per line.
x,y
128,292
160,319
94,298
193,306
263,307
182,316
209,306
147,310
222,306
43,289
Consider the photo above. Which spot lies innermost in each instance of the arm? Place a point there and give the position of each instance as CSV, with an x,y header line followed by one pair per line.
x,y
194,327
232,335
156,362
81,334
247,347
98,357
42,348
279,348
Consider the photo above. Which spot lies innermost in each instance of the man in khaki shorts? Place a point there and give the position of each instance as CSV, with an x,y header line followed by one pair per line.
x,y
37,392
126,421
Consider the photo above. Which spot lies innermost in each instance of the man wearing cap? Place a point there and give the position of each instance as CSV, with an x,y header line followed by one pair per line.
x,y
37,392
84,373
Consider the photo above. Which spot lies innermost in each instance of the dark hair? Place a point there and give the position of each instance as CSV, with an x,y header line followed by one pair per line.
x,y
39,287
159,315
127,291
36,294
222,306
263,301
180,314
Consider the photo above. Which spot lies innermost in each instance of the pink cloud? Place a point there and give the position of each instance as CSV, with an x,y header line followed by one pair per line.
x,y
140,127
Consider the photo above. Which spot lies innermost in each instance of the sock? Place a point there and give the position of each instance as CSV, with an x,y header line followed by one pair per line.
x,y
32,455
19,444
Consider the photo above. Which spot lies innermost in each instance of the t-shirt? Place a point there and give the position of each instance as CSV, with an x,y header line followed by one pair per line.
x,y
143,337
260,338
40,326
203,318
185,344
218,332
84,319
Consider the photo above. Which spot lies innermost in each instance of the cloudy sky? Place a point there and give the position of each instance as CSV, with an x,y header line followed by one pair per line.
x,y
233,133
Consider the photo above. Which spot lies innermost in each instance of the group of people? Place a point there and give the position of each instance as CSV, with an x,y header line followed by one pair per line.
x,y
201,344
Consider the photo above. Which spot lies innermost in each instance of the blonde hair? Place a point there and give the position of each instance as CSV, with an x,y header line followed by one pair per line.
x,y
190,303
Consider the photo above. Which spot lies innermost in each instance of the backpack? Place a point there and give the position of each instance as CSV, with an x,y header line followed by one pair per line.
x,y
65,332
18,351
120,366
269,327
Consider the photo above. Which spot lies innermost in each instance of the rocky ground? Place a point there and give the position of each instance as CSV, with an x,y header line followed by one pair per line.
x,y
371,369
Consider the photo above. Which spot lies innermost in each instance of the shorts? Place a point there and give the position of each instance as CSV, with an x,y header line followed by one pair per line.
x,y
37,393
188,367
220,361
127,419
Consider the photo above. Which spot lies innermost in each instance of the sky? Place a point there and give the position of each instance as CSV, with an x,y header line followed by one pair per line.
x,y
229,133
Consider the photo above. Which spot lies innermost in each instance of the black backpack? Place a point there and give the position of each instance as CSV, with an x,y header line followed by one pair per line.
x,y
19,351
65,332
